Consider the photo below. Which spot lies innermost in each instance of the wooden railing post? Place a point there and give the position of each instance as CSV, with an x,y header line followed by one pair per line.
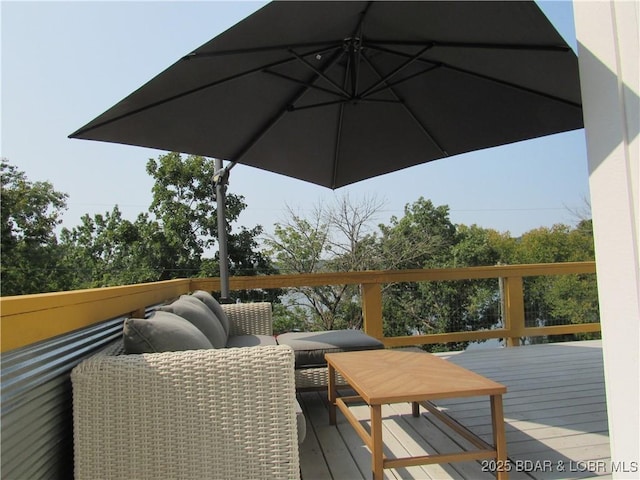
x,y
372,309
514,310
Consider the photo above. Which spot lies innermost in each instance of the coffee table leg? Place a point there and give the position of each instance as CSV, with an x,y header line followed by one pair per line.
x,y
415,409
332,393
499,438
377,460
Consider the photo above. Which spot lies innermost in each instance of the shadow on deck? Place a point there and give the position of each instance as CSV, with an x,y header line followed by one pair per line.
x,y
555,414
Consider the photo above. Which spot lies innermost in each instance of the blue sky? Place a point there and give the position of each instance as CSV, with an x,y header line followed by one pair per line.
x,y
64,63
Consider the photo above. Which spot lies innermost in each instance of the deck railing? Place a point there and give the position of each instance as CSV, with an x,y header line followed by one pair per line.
x,y
28,319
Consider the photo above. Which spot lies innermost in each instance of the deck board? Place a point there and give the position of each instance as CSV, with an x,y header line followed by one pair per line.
x,y
555,413
324,454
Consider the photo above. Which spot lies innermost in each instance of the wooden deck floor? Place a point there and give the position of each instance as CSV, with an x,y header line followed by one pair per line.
x,y
555,414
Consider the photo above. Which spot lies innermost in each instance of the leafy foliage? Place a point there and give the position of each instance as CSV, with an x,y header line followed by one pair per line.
x,y
108,250
564,299
30,214
170,241
420,239
425,237
183,204
334,238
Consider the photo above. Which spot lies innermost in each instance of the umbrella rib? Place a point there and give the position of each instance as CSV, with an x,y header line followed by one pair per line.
x,y
380,100
292,108
302,82
408,110
186,93
319,73
487,46
355,43
288,106
384,80
513,85
354,67
336,154
353,72
326,44
342,102
404,79
485,77
363,14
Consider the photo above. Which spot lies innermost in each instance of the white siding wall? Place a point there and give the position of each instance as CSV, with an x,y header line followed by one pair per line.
x,y
608,37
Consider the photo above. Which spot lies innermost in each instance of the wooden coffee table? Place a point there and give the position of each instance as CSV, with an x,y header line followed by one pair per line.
x,y
388,376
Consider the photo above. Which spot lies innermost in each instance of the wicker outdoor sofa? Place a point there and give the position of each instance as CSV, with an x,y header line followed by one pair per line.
x,y
201,412
209,413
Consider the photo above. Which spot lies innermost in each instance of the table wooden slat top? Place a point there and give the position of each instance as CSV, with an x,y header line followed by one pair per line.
x,y
391,376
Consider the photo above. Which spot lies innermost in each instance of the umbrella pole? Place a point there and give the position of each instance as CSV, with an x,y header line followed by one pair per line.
x,y
220,181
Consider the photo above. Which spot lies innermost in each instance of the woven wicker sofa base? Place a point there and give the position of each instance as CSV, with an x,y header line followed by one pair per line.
x,y
150,416
316,379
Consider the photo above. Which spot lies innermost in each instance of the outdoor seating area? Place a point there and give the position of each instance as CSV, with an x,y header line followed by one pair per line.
x,y
227,387
259,413
198,321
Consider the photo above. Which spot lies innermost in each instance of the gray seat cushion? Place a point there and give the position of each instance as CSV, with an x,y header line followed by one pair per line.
x,y
162,332
309,347
196,312
250,341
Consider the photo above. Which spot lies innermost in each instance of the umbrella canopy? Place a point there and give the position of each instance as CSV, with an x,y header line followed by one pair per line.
x,y
337,92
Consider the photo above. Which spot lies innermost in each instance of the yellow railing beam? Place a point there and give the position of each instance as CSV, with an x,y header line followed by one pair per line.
x,y
444,338
561,329
28,319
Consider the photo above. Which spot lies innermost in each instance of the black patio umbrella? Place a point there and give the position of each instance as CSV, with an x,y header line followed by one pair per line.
x,y
337,92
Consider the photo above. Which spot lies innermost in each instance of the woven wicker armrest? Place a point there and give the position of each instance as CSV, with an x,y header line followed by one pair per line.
x,y
227,413
250,318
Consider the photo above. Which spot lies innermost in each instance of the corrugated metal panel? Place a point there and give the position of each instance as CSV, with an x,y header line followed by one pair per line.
x,y
37,422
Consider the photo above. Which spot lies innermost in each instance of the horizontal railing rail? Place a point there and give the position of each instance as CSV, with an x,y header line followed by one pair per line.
x,y
27,319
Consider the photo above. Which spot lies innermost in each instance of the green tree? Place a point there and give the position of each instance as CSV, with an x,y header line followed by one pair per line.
x,y
422,238
426,238
477,246
332,238
109,250
559,300
289,318
419,239
171,241
30,214
480,299
340,238
182,203
184,207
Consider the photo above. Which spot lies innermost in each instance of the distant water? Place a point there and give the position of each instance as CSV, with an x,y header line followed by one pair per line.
x,y
490,343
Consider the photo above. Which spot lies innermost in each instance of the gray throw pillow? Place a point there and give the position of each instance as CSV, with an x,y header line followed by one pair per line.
x,y
198,314
215,307
162,332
